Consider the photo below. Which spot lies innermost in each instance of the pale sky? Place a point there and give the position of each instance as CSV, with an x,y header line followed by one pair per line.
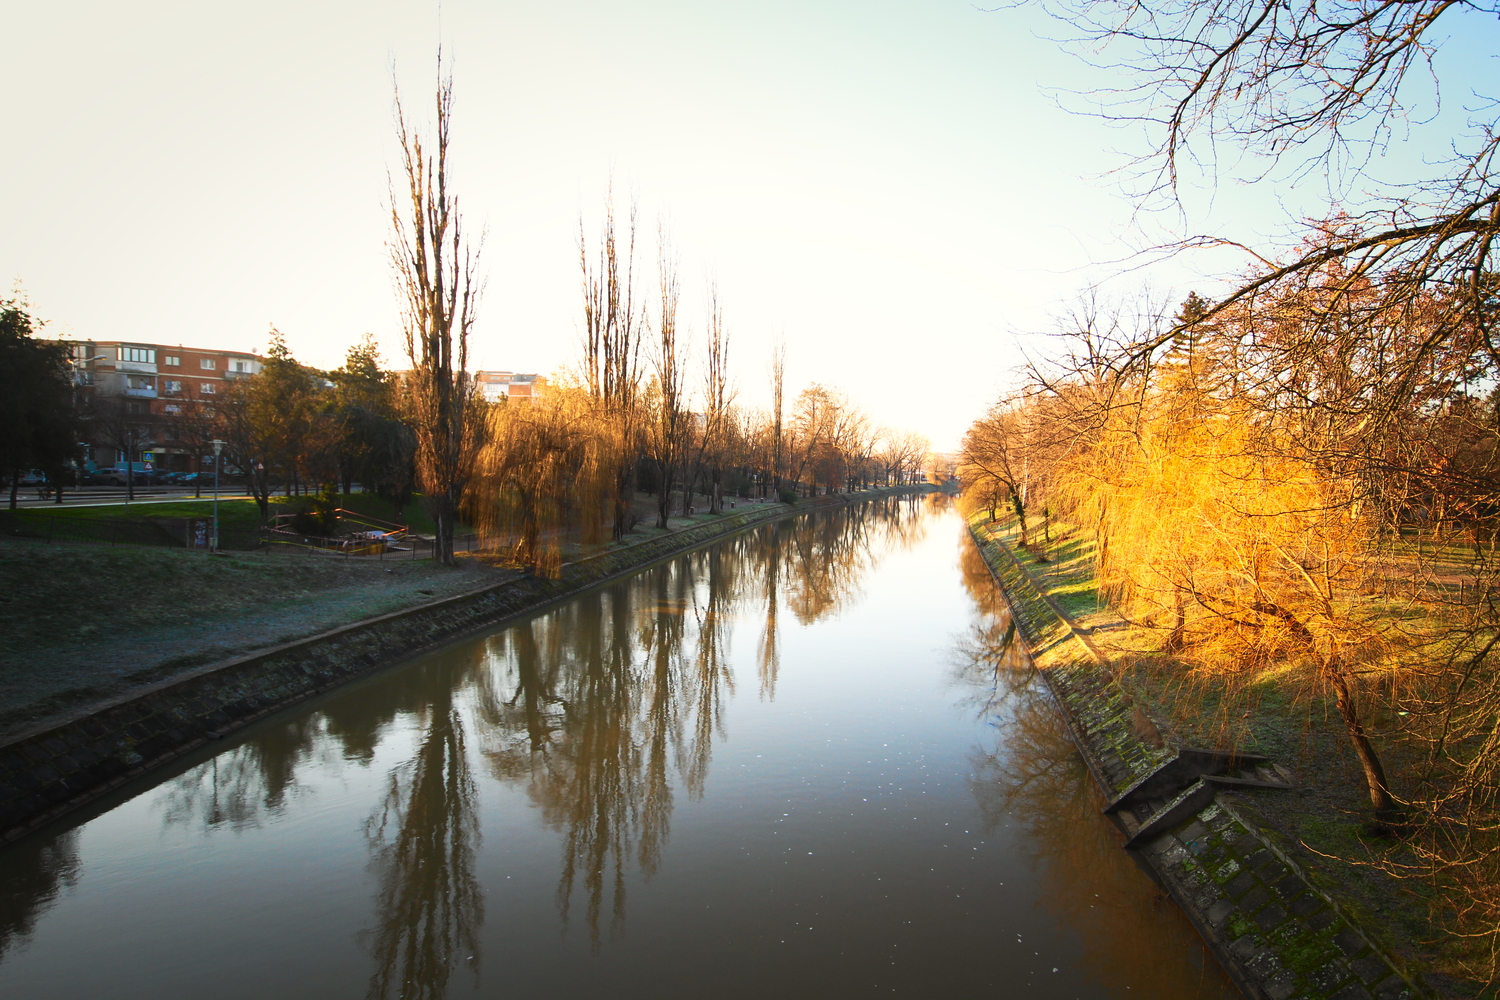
x,y
887,184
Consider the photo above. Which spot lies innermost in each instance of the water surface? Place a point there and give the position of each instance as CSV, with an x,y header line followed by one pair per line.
x,y
805,762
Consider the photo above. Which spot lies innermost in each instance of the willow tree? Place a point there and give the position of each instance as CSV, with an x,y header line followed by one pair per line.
x,y
436,269
545,471
1243,554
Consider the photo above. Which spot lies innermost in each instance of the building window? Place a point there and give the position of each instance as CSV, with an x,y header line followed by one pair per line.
x,y
173,408
140,355
207,388
173,386
242,366
171,359
209,364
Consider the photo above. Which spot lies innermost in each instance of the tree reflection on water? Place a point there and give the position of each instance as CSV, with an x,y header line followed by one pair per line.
x,y
247,783
602,710
423,840
36,872
614,701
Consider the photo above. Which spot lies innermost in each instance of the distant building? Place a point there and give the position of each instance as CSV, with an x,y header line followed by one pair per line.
x,y
496,386
155,380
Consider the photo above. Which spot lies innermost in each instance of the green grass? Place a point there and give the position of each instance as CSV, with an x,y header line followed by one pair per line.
x,y
232,513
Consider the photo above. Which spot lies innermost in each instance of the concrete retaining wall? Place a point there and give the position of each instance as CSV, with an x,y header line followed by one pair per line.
x,y
46,773
1277,930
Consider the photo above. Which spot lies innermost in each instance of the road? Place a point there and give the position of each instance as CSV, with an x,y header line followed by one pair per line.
x,y
107,496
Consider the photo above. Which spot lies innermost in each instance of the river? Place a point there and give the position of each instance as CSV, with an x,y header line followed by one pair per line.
x,y
804,762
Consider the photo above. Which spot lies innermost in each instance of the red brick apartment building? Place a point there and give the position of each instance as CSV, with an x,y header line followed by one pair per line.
x,y
156,381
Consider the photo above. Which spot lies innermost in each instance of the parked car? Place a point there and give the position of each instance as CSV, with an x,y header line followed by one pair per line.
x,y
116,477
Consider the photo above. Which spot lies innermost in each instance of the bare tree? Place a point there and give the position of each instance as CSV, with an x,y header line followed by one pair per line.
x,y
436,270
193,423
612,352
778,401
1314,90
670,428
248,444
718,395
127,426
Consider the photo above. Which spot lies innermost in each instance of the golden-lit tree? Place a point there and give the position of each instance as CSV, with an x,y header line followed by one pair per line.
x,y
996,460
545,473
1243,557
1274,489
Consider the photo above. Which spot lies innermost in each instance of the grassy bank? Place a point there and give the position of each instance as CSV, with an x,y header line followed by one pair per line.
x,y
1326,820
89,622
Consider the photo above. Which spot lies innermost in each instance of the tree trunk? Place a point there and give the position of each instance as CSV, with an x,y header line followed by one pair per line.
x,y
262,492
1177,637
625,498
1369,760
442,542
664,498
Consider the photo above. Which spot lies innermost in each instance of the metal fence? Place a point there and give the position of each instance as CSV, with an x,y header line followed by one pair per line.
x,y
410,547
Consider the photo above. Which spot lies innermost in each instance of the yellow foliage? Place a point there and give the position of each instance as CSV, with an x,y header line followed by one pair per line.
x,y
546,469
1214,530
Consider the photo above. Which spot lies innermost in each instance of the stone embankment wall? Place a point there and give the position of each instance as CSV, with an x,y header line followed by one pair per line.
x,y
1278,932
44,774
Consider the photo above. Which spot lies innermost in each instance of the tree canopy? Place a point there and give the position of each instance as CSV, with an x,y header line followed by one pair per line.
x,y
36,398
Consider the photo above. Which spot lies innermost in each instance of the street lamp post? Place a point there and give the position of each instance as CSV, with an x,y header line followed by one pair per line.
x,y
218,449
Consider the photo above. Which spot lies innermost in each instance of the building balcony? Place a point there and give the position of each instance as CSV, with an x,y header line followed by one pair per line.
x,y
134,366
141,393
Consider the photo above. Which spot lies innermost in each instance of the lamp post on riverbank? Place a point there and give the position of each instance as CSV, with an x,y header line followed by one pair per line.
x,y
218,449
